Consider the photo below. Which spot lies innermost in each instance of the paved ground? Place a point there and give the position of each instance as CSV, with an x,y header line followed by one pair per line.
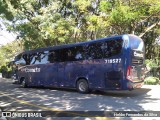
x,y
15,98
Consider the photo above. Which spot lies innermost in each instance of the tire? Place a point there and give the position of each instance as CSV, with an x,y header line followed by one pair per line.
x,y
82,86
24,84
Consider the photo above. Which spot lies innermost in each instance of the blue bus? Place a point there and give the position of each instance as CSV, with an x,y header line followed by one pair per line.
x,y
113,63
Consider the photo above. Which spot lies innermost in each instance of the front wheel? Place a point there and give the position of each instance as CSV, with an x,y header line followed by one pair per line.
x,y
82,86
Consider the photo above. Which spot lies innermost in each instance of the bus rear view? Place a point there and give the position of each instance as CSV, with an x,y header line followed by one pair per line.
x,y
135,67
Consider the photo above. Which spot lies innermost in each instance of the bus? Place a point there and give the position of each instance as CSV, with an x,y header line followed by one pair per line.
x,y
112,63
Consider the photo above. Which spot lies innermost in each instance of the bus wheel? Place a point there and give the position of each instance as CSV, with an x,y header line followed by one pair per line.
x,y
24,84
82,86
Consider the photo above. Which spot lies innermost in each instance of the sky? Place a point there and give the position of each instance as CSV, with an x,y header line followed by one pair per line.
x,y
5,36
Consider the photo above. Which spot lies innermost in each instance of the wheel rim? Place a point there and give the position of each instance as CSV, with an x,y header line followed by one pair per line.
x,y
82,86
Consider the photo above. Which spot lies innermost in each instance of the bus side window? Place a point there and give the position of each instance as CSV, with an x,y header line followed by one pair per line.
x,y
20,60
79,53
93,51
68,55
32,58
52,57
112,47
44,57
61,55
76,53
36,58
25,57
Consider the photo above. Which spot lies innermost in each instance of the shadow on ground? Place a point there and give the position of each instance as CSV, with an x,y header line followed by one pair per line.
x,y
71,100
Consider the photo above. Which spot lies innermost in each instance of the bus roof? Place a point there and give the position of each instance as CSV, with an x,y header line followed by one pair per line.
x,y
71,45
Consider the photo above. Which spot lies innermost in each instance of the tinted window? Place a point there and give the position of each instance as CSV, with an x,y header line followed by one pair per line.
x,y
43,57
66,54
26,58
93,51
20,60
90,51
79,53
39,58
74,53
57,55
112,48
53,56
34,58
97,50
104,49
18,57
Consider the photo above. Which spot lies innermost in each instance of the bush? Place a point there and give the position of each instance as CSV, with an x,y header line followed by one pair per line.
x,y
153,68
151,63
6,71
152,81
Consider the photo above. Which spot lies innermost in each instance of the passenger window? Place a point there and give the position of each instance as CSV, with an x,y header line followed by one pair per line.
x,y
93,51
53,56
44,57
79,53
39,58
112,48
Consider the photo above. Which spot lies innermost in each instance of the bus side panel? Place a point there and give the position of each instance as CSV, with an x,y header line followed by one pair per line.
x,y
22,73
106,74
31,75
40,75
87,69
49,72
95,74
61,79
74,71
114,73
99,73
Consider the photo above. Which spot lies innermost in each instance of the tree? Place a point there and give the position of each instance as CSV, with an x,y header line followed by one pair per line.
x,y
8,52
5,11
42,23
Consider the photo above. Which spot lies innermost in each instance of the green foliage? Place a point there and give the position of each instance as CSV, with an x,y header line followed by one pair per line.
x,y
4,10
123,14
5,68
105,6
152,81
152,63
7,55
81,6
155,6
42,23
8,52
153,68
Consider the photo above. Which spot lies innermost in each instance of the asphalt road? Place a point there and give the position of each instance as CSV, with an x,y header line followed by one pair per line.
x,y
15,98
